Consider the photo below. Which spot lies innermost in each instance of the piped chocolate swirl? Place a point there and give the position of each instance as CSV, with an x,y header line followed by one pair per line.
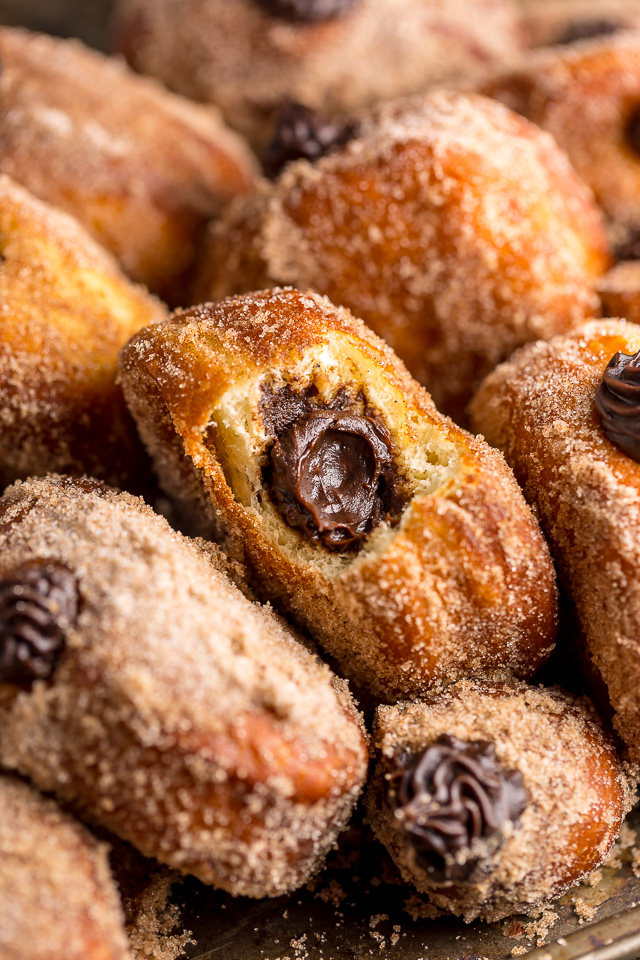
x,y
303,134
38,602
306,11
618,402
450,795
330,470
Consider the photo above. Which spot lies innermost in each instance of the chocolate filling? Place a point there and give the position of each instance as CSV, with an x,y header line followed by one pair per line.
x,y
629,249
330,470
303,134
307,11
618,402
589,30
632,131
38,602
450,795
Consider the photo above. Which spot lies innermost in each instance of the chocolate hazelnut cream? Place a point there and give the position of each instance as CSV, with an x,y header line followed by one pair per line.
x,y
618,402
330,469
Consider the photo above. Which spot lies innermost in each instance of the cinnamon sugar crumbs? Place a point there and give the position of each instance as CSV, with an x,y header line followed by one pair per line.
x,y
151,931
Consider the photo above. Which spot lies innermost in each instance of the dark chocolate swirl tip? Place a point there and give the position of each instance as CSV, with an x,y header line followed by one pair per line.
x,y
632,131
303,134
38,602
450,795
618,402
306,11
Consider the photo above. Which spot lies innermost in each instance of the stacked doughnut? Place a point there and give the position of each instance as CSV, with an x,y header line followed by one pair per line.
x,y
146,681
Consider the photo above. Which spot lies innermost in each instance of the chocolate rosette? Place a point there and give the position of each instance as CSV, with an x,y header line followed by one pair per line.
x,y
38,602
618,402
303,134
450,796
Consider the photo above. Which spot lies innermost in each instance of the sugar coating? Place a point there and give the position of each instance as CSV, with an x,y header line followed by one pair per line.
x,y
65,311
583,95
181,716
379,50
453,227
619,291
142,169
462,585
59,901
539,409
578,791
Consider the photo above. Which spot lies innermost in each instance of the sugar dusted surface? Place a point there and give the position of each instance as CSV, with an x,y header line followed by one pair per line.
x,y
539,409
182,716
58,899
578,791
453,227
382,49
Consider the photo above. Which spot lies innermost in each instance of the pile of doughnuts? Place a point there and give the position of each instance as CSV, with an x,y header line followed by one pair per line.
x,y
401,223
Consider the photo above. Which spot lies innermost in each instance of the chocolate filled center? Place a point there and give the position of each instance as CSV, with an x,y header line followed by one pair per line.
x,y
450,795
633,131
618,402
330,476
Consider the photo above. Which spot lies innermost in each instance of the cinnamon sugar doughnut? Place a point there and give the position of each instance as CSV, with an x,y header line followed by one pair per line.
x,y
494,798
139,685
619,291
59,901
588,97
399,541
539,408
143,170
454,228
333,55
66,311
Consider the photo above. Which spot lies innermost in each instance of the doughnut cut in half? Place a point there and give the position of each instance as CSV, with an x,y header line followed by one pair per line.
x,y
139,685
399,541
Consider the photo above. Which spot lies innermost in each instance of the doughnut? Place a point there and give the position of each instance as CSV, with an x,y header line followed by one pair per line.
x,y
59,901
619,291
336,55
142,688
66,311
588,97
548,22
494,798
289,432
142,169
454,228
564,413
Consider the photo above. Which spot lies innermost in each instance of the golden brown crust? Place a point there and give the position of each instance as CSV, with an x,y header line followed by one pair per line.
x,y
584,95
181,716
619,291
379,50
66,311
577,790
462,585
453,227
59,901
143,170
539,409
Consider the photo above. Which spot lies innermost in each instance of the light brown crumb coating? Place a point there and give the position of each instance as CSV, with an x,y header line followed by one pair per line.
x,y
585,95
539,409
142,169
576,792
619,291
59,901
240,57
65,311
457,581
180,715
454,228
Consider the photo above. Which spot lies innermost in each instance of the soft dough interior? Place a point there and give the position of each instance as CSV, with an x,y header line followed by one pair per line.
x,y
425,460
